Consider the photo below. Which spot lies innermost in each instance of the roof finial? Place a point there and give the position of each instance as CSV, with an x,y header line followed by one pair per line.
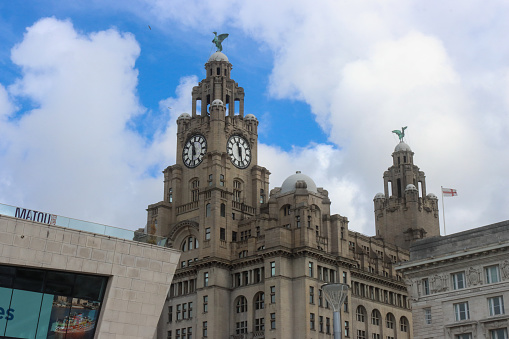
x,y
218,39
401,134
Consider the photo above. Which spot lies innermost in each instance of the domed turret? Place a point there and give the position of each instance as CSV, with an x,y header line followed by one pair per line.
x,y
402,146
184,116
218,56
298,180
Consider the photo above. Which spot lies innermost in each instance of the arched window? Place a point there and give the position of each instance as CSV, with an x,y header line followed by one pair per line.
x,y
190,243
242,254
389,320
360,313
375,317
207,210
259,301
241,305
403,324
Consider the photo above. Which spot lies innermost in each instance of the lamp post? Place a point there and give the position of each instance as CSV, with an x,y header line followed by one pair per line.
x,y
336,295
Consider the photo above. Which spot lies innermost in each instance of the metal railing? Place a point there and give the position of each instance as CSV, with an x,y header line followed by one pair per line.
x,y
80,225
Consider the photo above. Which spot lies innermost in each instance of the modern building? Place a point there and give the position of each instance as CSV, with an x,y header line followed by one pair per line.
x,y
459,284
57,281
253,261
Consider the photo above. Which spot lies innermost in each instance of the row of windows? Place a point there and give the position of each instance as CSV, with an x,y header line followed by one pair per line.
x,y
462,311
321,324
182,333
249,277
259,325
499,333
379,294
183,312
458,280
182,287
376,319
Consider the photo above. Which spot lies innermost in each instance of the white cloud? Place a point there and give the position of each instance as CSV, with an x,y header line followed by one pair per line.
x,y
75,154
366,68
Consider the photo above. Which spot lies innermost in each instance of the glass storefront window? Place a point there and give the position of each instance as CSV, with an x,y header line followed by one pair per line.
x,y
49,304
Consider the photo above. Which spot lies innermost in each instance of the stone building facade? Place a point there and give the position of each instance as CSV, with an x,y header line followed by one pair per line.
x,y
459,283
253,261
404,212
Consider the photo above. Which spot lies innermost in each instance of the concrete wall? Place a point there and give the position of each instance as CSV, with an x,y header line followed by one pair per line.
x,y
140,274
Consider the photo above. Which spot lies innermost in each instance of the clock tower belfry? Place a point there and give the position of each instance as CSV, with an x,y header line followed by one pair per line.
x,y
216,181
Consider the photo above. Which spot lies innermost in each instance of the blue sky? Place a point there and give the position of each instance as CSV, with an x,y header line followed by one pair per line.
x,y
85,88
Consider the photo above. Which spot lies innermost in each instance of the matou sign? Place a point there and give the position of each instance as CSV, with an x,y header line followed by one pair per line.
x,y
45,218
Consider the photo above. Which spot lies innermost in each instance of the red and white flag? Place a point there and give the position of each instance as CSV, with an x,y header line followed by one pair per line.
x,y
449,192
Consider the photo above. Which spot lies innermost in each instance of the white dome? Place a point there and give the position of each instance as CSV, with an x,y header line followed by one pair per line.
x,y
410,187
432,196
217,102
184,116
402,147
218,56
380,196
250,117
298,179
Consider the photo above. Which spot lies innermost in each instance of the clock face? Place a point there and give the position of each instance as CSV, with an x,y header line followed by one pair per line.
x,y
194,150
239,151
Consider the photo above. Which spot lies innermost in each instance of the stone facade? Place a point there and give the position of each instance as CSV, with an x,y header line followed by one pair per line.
x,y
139,274
253,263
458,284
404,212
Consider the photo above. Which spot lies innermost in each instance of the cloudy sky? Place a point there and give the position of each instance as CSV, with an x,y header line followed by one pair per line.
x,y
85,87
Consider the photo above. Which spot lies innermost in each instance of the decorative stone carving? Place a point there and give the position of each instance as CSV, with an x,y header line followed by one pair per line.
x,y
473,276
438,283
505,269
412,288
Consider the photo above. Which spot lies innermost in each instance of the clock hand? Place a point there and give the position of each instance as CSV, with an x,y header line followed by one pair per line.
x,y
193,151
240,151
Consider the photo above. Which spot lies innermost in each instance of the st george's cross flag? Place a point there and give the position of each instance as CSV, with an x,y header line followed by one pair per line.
x,y
449,192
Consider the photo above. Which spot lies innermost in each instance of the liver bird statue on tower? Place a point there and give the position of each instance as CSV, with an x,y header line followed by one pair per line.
x,y
401,134
218,39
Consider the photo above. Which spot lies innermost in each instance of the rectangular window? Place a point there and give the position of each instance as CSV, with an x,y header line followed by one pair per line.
x,y
273,321
206,279
222,233
345,275
320,323
320,298
234,236
179,314
260,324
312,321
207,233
205,303
427,315
189,333
241,327
184,311
347,329
461,311
425,286
310,269
496,305
169,335
177,334
273,294
464,336
190,309
205,329
376,336
361,334
170,314
327,325
500,333
492,274
272,268
311,295
458,280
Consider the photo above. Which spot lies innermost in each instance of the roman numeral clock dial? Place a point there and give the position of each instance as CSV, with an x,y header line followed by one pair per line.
x,y
239,151
194,150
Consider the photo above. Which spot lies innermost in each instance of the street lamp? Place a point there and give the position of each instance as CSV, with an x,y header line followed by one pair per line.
x,y
336,295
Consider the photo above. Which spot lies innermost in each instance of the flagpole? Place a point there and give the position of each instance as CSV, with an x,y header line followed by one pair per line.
x,y
443,208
